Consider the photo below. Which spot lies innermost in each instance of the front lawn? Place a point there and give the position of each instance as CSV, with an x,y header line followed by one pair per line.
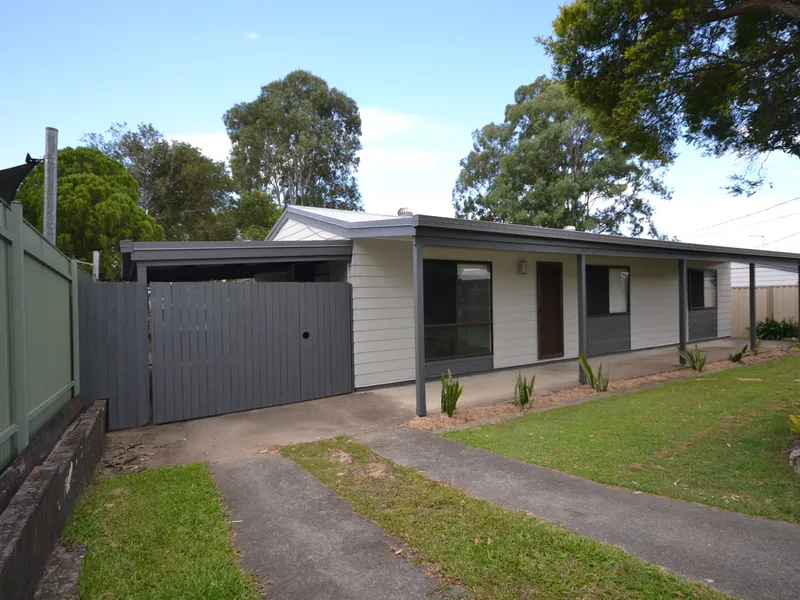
x,y
157,534
719,439
490,551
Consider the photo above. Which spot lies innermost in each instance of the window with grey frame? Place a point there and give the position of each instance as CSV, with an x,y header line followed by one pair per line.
x,y
702,288
458,309
607,290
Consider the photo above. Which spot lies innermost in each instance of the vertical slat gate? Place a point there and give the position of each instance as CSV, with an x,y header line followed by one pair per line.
x,y
114,350
216,347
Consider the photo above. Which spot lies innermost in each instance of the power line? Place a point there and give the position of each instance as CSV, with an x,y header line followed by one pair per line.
x,y
794,214
786,237
747,215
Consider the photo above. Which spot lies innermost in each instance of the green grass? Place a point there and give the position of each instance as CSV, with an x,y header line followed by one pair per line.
x,y
491,551
157,534
714,439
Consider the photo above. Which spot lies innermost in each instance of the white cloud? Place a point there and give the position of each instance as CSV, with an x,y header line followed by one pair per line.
x,y
252,35
377,123
409,160
213,145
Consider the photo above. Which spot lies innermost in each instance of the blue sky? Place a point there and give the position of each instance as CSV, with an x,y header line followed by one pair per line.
x,y
425,75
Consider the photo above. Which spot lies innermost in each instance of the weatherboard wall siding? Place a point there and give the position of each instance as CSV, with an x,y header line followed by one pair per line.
x,y
383,300
295,231
383,311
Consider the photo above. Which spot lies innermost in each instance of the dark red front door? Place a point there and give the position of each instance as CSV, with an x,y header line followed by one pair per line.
x,y
550,301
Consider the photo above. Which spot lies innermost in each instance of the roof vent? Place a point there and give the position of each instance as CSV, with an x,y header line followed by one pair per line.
x,y
568,228
405,212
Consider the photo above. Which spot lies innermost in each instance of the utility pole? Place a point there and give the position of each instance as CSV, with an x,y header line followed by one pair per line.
x,y
50,183
95,266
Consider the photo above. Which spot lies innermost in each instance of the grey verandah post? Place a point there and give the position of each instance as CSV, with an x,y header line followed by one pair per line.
x,y
683,308
19,342
753,337
583,338
419,328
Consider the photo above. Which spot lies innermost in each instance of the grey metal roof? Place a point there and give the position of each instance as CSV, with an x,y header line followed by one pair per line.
x,y
466,233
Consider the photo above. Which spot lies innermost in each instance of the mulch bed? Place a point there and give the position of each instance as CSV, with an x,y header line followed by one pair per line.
x,y
508,409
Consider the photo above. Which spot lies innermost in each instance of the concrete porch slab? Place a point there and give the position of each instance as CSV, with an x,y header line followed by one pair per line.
x,y
245,434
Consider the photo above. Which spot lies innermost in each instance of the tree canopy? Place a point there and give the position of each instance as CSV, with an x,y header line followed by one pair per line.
x,y
298,141
547,165
98,205
724,74
180,187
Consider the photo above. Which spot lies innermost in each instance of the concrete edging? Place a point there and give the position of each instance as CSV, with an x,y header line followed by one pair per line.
x,y
32,521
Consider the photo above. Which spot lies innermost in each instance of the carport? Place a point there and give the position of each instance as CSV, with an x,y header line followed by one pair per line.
x,y
197,329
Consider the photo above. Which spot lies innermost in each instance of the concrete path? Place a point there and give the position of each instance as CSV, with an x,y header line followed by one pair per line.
x,y
746,556
303,541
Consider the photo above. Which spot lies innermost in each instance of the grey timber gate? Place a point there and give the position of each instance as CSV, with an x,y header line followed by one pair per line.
x,y
225,347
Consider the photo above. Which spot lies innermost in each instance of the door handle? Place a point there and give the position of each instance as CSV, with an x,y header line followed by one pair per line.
x,y
306,335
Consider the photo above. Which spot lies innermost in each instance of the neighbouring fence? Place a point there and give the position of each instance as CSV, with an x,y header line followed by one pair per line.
x,y
776,302
39,355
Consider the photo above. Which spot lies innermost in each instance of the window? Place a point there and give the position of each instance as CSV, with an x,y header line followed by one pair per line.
x,y
458,309
607,290
702,288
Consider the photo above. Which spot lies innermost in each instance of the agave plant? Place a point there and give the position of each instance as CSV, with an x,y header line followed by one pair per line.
x,y
451,392
598,381
523,391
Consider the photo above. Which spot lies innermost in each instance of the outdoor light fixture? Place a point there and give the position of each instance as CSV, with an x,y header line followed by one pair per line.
x,y
522,267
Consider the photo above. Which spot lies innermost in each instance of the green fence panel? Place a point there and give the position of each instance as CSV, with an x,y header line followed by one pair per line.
x,y
38,331
6,417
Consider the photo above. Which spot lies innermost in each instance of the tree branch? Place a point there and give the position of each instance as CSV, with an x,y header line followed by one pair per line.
x,y
778,7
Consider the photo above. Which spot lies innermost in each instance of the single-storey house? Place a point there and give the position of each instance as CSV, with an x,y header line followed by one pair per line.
x,y
432,293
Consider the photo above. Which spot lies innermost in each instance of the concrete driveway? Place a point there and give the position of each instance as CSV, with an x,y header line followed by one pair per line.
x,y
304,541
240,435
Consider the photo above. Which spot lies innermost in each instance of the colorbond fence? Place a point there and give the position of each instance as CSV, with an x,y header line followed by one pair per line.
x,y
39,362
778,302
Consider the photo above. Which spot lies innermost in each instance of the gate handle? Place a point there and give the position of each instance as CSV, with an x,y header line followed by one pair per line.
x,y
306,335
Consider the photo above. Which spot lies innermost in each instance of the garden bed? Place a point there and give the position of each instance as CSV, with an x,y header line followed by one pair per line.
x,y
478,414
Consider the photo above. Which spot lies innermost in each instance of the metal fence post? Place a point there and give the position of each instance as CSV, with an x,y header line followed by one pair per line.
x,y
19,342
76,349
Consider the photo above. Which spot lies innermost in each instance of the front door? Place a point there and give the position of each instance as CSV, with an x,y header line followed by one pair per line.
x,y
550,301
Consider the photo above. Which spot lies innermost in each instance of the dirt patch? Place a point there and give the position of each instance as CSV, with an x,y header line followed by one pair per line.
x,y
569,395
125,456
341,457
376,470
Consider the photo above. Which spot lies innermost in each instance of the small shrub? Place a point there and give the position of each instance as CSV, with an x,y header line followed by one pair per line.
x,y
757,349
523,391
599,381
771,329
738,356
694,358
451,392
